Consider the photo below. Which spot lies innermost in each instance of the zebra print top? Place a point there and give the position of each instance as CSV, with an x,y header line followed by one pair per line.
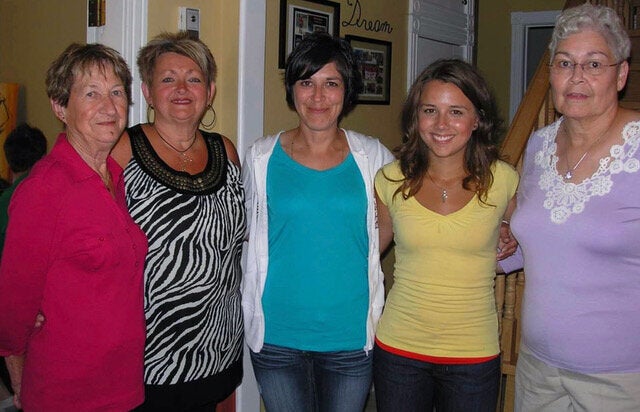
x,y
195,225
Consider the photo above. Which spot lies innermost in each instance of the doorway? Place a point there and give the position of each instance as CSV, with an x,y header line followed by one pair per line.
x,y
530,35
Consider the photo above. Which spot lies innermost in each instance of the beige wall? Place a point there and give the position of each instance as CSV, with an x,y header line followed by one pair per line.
x,y
32,34
376,120
494,42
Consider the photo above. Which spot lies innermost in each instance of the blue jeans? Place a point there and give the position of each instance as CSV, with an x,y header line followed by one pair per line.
x,y
404,384
304,381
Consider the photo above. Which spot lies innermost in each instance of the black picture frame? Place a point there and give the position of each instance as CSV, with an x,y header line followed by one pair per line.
x,y
299,17
374,63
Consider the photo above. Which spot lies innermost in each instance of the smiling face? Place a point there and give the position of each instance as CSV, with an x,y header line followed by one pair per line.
x,y
578,95
178,91
446,119
96,113
320,98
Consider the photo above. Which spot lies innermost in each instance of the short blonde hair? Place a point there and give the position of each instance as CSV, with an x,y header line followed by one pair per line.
x,y
179,43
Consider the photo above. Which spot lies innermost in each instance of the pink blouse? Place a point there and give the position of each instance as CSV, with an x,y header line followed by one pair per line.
x,y
74,254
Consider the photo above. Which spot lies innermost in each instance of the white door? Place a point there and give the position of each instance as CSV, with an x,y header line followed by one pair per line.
x,y
126,31
438,29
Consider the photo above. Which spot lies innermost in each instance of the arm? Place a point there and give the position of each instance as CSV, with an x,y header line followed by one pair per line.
x,y
511,263
232,153
15,364
249,189
385,225
24,263
121,152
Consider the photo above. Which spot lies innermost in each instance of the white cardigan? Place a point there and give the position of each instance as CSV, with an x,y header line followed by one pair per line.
x,y
370,155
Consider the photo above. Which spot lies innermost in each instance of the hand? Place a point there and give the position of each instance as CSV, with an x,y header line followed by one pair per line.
x,y
16,397
507,244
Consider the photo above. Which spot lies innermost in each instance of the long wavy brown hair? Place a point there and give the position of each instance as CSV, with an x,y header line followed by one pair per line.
x,y
482,149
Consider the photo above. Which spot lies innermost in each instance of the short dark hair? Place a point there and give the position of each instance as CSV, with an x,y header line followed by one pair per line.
x,y
313,52
24,146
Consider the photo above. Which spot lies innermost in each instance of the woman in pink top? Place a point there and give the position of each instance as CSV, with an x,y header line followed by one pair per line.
x,y
74,255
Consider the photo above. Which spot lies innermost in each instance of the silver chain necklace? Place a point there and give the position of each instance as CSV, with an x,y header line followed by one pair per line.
x,y
570,170
182,154
444,195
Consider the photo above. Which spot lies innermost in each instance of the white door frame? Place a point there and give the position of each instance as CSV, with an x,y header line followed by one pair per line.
x,y
520,22
251,69
126,31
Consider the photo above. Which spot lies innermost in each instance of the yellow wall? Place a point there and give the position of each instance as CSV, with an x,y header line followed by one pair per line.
x,y
32,34
494,42
381,121
218,30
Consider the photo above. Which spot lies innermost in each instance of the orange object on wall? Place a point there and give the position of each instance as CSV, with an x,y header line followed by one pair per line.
x,y
8,116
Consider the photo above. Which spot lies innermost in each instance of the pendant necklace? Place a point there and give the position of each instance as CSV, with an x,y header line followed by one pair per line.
x,y
444,194
570,170
182,154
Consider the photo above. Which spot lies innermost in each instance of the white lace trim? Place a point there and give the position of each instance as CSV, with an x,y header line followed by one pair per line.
x,y
565,198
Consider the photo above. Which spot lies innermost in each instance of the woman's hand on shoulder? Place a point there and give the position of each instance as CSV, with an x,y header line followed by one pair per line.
x,y
121,152
232,153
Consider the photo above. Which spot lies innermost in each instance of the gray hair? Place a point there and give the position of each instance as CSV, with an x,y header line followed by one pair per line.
x,y
600,19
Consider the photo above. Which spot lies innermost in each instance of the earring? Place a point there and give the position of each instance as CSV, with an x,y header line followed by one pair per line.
x,y
213,121
149,110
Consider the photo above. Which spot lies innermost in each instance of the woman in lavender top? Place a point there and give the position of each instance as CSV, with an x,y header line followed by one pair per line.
x,y
578,223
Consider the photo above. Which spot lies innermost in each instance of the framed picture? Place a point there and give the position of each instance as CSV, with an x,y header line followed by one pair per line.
x,y
374,62
300,17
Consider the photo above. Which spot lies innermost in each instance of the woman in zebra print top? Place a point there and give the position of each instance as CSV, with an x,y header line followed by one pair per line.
x,y
184,190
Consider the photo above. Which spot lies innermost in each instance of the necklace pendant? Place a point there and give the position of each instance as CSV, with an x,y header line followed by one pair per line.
x,y
568,175
444,195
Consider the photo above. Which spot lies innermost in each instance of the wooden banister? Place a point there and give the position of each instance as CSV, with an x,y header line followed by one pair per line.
x,y
526,117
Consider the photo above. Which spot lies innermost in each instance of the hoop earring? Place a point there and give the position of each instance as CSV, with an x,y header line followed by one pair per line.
x,y
213,121
149,110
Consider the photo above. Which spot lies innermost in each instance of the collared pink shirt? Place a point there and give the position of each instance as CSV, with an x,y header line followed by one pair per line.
x,y
74,254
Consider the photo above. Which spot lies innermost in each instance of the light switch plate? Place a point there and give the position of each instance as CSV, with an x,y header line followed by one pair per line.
x,y
189,20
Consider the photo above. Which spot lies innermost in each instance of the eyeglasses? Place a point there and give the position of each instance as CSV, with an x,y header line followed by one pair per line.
x,y
591,68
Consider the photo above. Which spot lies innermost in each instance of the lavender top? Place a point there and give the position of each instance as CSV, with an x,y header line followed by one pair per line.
x,y
581,249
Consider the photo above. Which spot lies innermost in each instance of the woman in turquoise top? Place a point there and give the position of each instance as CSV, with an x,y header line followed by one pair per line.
x,y
312,286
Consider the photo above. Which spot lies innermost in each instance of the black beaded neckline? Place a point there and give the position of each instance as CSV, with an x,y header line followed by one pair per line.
x,y
206,182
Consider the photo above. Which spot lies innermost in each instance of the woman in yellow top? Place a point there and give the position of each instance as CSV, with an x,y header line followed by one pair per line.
x,y
443,201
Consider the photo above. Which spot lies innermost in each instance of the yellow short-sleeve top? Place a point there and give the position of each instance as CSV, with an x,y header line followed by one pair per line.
x,y
442,302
